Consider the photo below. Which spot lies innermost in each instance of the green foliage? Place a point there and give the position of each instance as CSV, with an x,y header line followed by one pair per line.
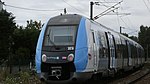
x,y
21,78
131,37
7,26
22,56
17,41
144,38
144,35
25,40
134,38
3,73
125,34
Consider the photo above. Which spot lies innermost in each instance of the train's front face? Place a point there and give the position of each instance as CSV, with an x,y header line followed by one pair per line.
x,y
57,58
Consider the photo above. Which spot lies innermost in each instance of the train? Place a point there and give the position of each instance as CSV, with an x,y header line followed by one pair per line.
x,y
73,47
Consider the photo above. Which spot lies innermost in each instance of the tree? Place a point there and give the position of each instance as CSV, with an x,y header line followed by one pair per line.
x,y
131,37
144,38
125,34
134,38
32,30
7,26
25,39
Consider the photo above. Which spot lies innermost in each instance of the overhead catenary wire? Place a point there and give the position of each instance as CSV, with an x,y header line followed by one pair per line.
x,y
118,19
102,2
146,6
127,25
75,8
106,11
129,21
107,2
30,9
130,26
71,6
123,20
117,13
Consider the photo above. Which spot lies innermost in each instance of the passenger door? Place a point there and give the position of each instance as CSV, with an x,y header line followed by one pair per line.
x,y
111,46
129,53
95,50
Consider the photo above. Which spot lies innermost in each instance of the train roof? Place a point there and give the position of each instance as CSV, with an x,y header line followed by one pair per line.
x,y
74,19
134,42
68,19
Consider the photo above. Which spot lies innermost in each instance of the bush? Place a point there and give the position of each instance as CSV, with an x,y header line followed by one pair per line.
x,y
21,78
4,72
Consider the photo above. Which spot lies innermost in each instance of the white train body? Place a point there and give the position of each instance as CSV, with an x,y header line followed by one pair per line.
x,y
96,49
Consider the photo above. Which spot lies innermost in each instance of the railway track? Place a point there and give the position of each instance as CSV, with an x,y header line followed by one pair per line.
x,y
132,78
127,78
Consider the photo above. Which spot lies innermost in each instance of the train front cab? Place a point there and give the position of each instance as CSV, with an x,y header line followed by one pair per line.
x,y
62,49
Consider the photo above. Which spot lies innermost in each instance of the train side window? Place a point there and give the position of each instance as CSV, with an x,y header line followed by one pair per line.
x,y
118,48
115,42
103,51
136,52
129,49
123,48
132,51
93,37
139,52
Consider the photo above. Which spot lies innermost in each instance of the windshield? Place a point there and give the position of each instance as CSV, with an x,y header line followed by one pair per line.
x,y
60,35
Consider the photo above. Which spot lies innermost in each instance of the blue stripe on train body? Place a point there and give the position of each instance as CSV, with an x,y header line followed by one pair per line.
x,y
39,49
81,51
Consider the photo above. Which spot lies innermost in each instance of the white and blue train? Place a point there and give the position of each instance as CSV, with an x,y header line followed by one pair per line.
x,y
74,47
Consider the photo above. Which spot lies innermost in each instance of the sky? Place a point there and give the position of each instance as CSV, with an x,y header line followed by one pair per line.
x,y
41,10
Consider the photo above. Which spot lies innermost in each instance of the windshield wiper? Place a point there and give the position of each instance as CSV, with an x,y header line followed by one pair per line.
x,y
56,47
49,40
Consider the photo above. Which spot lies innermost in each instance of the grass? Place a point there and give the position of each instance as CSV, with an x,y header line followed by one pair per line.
x,y
27,77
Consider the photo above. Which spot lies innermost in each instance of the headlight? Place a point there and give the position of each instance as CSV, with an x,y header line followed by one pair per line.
x,y
70,57
44,58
